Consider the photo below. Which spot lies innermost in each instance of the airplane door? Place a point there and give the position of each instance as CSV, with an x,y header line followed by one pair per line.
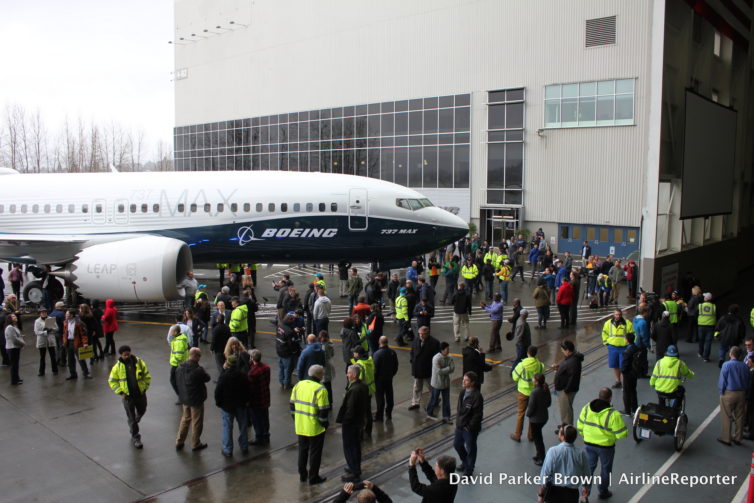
x,y
357,210
99,211
120,211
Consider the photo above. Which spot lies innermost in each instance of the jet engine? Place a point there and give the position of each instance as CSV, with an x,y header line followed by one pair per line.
x,y
140,269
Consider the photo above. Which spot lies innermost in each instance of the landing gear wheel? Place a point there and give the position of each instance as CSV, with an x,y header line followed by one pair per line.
x,y
33,293
680,432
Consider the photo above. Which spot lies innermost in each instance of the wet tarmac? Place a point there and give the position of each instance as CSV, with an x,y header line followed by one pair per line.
x,y
69,441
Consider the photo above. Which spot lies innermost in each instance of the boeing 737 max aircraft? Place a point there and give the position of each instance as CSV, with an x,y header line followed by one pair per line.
x,y
133,236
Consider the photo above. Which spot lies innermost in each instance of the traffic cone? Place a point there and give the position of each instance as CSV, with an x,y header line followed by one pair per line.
x,y
750,492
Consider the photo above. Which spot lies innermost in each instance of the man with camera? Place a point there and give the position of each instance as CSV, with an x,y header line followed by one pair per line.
x,y
439,490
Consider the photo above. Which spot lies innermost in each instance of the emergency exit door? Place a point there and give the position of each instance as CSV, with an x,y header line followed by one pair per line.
x,y
357,210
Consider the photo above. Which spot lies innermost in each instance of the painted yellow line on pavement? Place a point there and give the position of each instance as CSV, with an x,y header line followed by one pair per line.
x,y
488,360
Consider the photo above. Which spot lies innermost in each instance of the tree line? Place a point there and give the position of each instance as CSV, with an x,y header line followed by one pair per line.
x,y
28,146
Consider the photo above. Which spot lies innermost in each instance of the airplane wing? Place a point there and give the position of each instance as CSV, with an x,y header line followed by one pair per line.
x,y
49,248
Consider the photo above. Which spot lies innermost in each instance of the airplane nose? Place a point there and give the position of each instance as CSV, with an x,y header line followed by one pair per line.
x,y
450,227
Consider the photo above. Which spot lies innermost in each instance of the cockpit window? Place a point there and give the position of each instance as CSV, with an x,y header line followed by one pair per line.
x,y
413,204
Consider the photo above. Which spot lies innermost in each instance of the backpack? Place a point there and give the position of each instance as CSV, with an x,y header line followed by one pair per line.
x,y
639,365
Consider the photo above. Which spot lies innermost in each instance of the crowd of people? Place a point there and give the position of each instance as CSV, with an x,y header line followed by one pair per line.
x,y
307,365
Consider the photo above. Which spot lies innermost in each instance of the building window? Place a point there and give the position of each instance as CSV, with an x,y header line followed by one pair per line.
x,y
505,146
586,104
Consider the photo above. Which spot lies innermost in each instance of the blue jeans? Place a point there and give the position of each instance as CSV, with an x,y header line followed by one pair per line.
x,y
724,350
605,456
504,291
488,287
243,440
706,333
285,368
465,445
445,401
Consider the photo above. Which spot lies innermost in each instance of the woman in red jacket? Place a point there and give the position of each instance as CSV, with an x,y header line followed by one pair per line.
x,y
564,299
110,325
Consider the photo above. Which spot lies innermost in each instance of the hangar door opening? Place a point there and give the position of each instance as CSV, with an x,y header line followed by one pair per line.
x,y
357,210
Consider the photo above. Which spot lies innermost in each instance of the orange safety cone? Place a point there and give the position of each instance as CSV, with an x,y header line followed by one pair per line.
x,y
750,492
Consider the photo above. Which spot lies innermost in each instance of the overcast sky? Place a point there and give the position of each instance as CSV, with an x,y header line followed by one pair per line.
x,y
102,60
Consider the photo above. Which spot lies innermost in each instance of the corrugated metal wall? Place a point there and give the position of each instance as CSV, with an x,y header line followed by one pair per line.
x,y
299,55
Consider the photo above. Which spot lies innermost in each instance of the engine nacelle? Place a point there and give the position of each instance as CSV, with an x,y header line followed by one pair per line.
x,y
140,269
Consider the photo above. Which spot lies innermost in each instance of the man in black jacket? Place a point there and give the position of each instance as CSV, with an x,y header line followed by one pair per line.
x,y
567,380
385,368
630,375
730,331
423,349
439,490
231,393
352,417
191,381
468,422
461,301
286,346
473,361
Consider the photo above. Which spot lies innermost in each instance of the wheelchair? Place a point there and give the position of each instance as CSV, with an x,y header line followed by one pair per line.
x,y
656,419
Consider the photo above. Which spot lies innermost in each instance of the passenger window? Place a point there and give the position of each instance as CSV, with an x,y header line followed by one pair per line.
x,y
603,234
98,208
283,207
71,208
271,207
333,207
12,208
35,208
84,208
220,207
309,207
246,207
23,208
2,208
181,207
47,208
59,208
260,207
132,208
296,207
121,208
193,208
321,206
233,207
155,208
144,208
207,207
564,232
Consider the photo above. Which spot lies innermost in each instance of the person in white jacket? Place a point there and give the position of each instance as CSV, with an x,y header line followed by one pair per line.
x,y
14,341
45,341
442,367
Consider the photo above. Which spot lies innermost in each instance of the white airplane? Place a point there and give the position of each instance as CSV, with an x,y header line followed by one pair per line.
x,y
133,236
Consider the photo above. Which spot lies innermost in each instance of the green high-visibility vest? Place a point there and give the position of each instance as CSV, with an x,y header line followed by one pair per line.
x,y
401,308
307,399
179,350
672,307
707,315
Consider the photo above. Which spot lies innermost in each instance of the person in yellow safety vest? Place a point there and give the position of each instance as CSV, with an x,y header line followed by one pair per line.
x,y
401,315
671,307
614,337
667,375
523,374
221,269
130,379
239,321
362,359
310,406
179,351
504,275
706,321
470,272
493,257
601,425
201,293
235,269
319,281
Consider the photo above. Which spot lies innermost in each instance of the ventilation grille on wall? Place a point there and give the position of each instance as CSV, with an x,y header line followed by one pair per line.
x,y
600,31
